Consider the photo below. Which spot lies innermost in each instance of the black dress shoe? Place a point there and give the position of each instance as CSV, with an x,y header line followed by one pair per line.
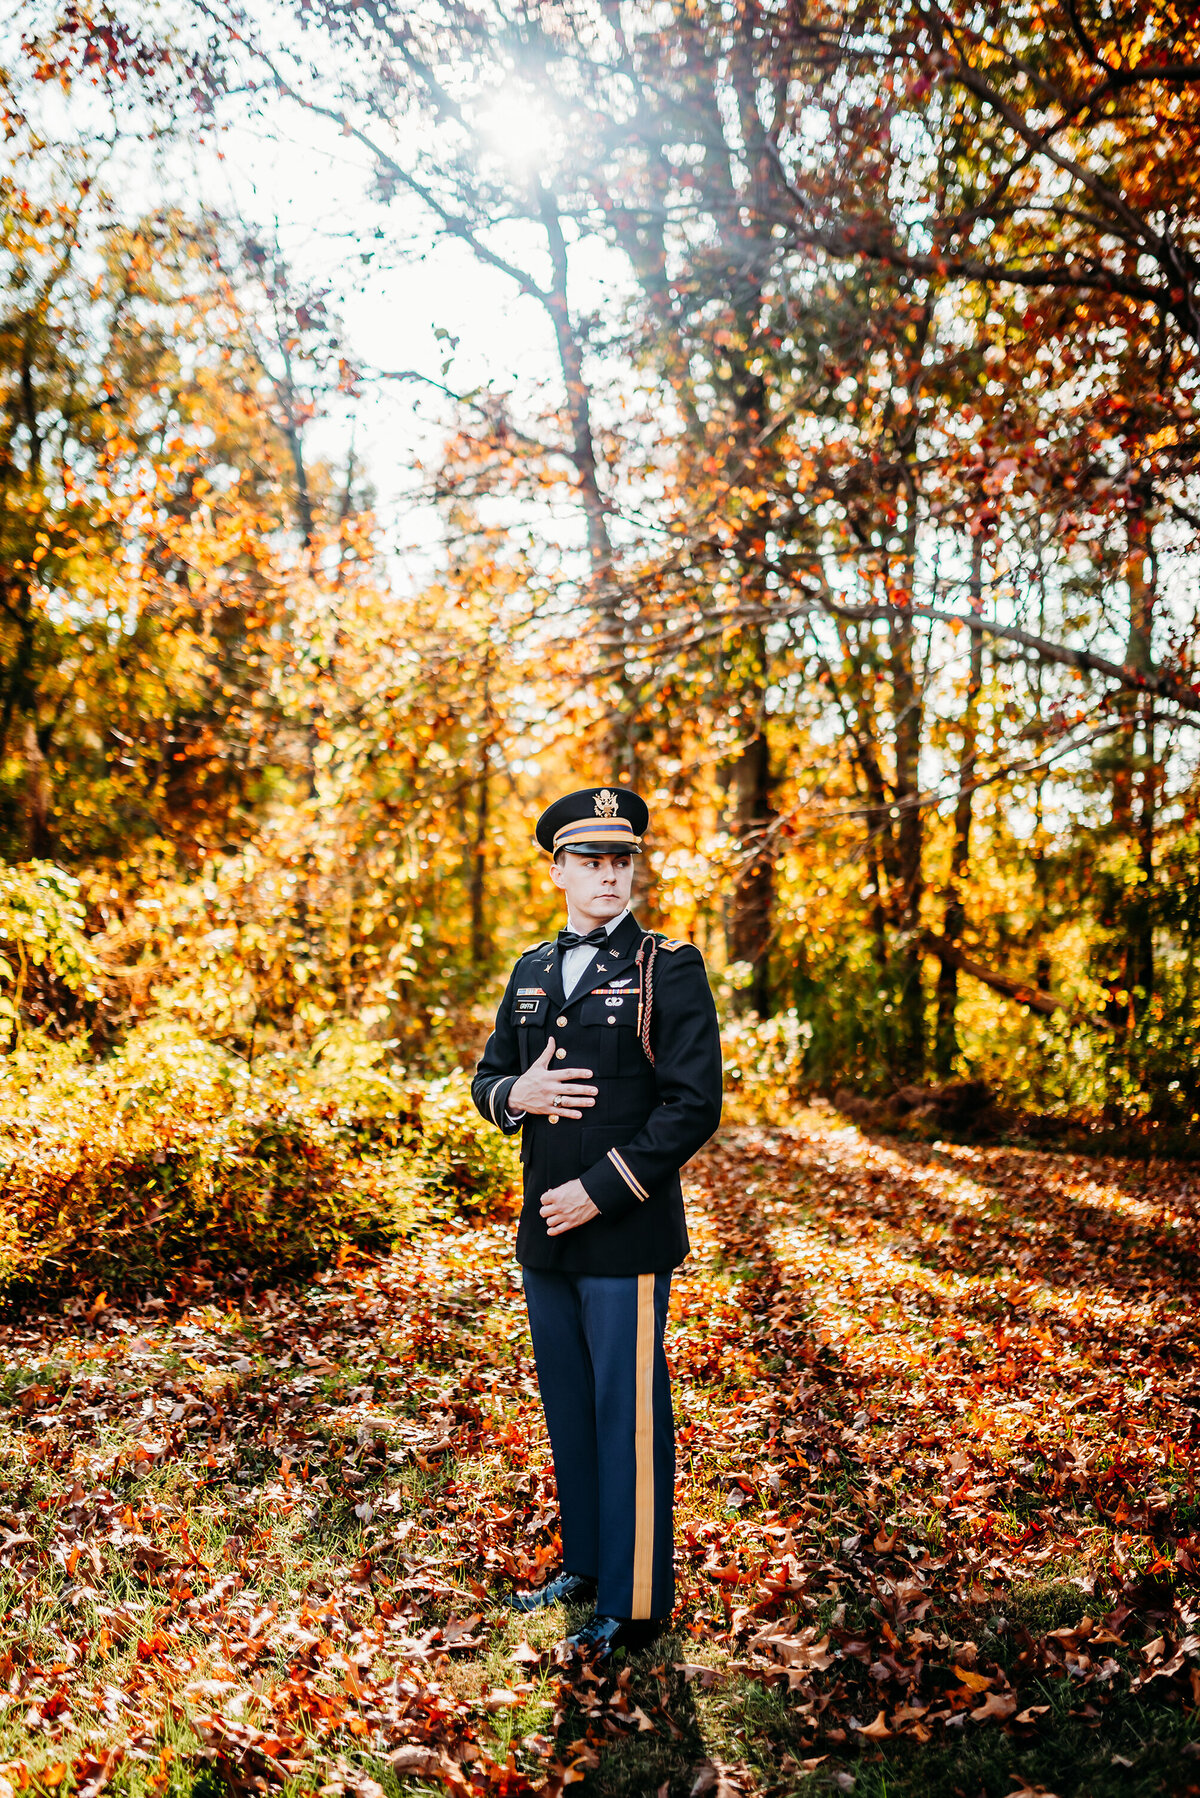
x,y
600,1636
559,1591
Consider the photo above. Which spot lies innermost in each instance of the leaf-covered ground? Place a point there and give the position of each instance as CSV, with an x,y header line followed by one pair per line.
x,y
937,1522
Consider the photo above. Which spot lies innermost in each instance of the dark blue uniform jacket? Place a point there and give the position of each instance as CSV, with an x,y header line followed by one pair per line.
x,y
648,1119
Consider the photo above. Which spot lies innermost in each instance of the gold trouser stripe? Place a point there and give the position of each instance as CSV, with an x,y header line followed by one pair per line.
x,y
643,1451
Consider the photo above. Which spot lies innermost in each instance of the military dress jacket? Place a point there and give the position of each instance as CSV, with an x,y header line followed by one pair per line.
x,y
649,1118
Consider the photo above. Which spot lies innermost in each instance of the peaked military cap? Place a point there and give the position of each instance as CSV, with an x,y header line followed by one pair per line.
x,y
594,821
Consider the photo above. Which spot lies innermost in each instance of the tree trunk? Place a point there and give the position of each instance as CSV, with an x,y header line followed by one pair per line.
x,y
908,713
945,1051
604,599
751,924
19,692
1140,572
479,936
37,794
1143,947
345,508
878,904
910,996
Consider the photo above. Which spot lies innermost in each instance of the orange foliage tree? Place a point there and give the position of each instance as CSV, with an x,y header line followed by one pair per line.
x,y
881,440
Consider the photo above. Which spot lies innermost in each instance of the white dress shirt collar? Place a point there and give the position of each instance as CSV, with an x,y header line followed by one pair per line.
x,y
575,961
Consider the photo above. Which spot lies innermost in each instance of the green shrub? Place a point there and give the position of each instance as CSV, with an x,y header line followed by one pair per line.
x,y
41,929
173,1158
764,1060
461,1158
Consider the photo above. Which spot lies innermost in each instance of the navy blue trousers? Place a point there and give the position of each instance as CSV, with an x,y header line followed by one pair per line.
x,y
606,1392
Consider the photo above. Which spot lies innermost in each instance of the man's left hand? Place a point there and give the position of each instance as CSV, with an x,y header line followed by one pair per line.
x,y
566,1207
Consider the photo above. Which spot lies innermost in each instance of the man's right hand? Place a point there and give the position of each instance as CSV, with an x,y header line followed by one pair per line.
x,y
544,1090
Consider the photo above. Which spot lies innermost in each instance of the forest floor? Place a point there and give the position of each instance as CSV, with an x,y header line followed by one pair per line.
x,y
938,1533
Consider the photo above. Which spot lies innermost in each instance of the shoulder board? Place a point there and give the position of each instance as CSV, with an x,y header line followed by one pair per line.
x,y
666,943
538,949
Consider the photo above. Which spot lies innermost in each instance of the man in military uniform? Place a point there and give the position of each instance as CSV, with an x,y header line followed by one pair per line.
x,y
606,1057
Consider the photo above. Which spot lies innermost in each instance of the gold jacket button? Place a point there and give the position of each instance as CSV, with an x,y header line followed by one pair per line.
x,y
612,1020
561,1022
559,1054
553,1117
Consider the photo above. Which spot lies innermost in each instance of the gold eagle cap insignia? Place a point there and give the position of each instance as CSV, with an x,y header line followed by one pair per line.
x,y
606,803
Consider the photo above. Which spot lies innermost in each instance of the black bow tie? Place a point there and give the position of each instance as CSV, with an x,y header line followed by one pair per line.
x,y
571,939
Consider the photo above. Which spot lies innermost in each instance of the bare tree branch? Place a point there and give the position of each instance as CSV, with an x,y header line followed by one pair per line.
x,y
1023,991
